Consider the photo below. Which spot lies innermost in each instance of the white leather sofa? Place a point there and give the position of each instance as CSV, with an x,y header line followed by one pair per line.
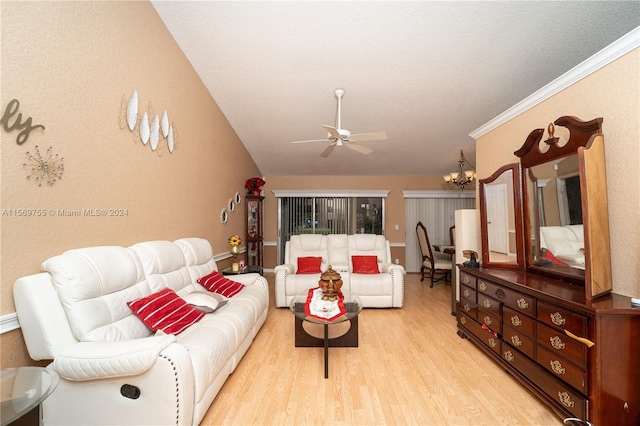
x,y
565,242
383,290
75,313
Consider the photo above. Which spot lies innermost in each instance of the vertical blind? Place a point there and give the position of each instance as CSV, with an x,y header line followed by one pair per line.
x,y
437,215
328,215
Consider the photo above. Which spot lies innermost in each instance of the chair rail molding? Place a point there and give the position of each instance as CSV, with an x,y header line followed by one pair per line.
x,y
9,322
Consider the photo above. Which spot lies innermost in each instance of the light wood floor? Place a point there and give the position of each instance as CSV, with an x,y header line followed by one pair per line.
x,y
410,368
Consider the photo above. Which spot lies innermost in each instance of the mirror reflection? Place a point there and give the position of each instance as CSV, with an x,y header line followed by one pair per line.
x,y
557,233
501,219
501,235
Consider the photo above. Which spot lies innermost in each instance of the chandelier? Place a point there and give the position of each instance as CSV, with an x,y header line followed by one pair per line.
x,y
462,177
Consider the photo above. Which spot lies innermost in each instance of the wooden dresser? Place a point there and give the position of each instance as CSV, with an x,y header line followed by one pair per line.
x,y
580,357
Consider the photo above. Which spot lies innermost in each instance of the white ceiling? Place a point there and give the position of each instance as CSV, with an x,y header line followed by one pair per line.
x,y
427,73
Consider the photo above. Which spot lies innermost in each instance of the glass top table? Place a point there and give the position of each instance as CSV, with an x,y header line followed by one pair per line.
x,y
325,316
23,389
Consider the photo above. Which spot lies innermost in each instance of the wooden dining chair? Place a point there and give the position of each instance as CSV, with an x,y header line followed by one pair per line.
x,y
429,263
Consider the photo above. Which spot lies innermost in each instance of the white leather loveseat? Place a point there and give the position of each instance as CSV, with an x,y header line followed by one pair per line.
x,y
113,369
565,243
382,290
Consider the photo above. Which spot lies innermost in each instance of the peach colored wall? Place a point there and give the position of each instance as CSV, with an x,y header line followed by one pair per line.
x,y
70,64
394,214
613,93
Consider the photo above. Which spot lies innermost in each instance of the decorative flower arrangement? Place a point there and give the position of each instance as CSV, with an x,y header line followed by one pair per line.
x,y
254,184
234,240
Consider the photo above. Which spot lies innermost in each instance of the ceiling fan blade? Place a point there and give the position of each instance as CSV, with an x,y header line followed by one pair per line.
x,y
360,137
328,150
360,148
314,140
332,131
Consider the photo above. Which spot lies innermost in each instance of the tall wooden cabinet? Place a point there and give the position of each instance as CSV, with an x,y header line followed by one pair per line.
x,y
254,220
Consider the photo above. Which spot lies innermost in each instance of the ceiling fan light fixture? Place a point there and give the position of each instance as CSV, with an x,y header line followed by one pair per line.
x,y
337,136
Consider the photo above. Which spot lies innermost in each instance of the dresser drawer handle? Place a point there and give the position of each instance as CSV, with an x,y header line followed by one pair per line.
x,y
557,319
557,367
463,320
522,304
515,320
492,342
483,286
487,320
556,342
466,307
466,279
516,340
566,400
487,303
508,355
467,293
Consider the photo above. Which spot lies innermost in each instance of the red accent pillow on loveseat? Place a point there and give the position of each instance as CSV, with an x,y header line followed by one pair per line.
x,y
309,265
365,264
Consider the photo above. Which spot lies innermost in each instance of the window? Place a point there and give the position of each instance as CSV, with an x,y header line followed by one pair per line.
x,y
303,212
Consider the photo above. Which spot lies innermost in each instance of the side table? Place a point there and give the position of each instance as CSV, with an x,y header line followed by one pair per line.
x,y
252,269
23,390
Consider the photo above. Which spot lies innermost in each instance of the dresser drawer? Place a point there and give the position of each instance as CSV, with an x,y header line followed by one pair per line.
x,y
469,308
490,320
513,299
566,397
467,279
562,319
490,305
559,343
562,369
524,344
488,338
467,293
522,323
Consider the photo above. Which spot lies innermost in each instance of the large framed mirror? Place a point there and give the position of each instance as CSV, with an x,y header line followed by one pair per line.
x,y
501,218
566,226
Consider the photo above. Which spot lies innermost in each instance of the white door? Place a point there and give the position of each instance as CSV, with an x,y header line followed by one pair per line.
x,y
497,217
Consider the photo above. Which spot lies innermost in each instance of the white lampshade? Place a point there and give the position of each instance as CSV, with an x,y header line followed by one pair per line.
x,y
469,174
446,178
467,235
454,175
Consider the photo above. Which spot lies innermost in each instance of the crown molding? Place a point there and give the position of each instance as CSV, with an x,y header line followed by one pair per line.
x,y
615,50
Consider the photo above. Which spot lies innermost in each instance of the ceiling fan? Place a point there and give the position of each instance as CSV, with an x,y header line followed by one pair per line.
x,y
342,137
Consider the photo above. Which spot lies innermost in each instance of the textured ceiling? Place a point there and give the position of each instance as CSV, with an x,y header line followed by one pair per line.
x,y
426,73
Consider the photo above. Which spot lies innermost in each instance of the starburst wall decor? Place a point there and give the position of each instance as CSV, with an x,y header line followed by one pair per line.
x,y
47,168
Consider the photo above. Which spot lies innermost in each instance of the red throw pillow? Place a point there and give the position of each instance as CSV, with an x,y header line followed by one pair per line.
x,y
548,255
217,283
365,264
165,311
309,265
